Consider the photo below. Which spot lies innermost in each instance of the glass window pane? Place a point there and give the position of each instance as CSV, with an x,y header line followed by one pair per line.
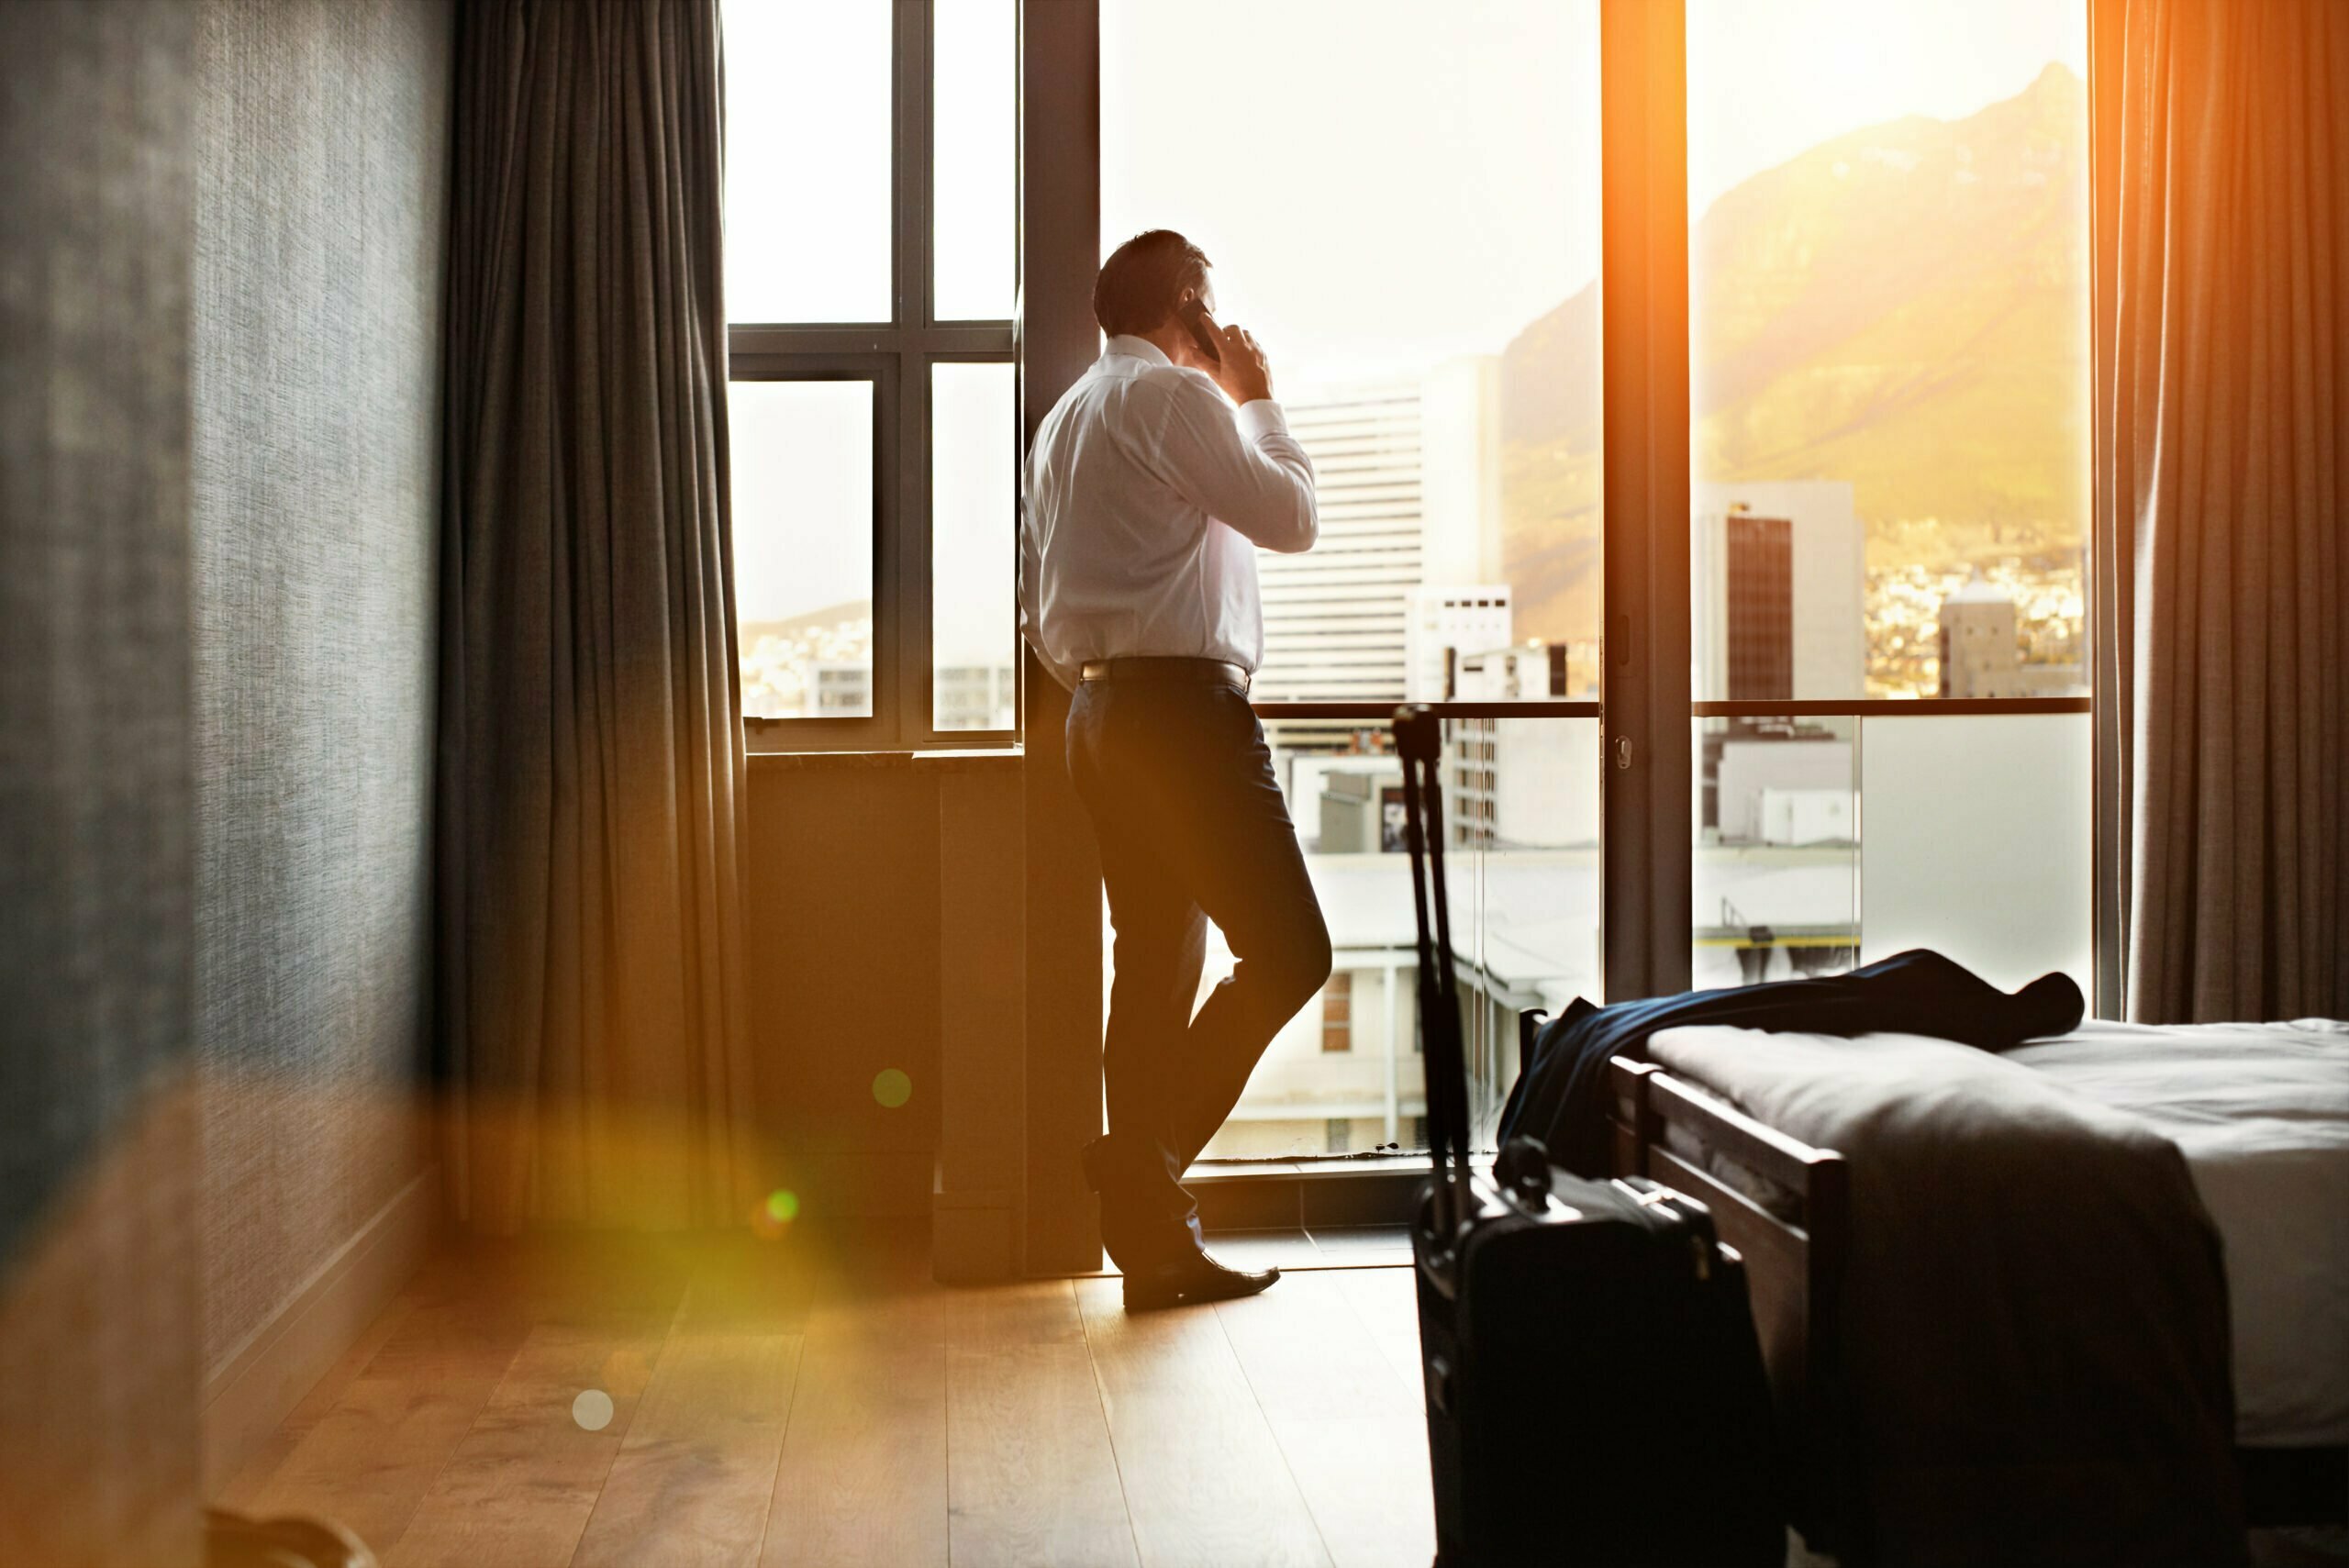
x,y
973,552
1774,874
1522,827
1823,844
802,454
1521,803
1977,842
808,186
1890,347
1428,298
1420,269
1343,785
974,121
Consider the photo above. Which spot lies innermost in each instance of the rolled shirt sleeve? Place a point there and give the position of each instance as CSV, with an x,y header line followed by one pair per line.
x,y
1246,470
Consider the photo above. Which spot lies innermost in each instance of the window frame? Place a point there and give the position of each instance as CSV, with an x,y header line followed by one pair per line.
x,y
896,355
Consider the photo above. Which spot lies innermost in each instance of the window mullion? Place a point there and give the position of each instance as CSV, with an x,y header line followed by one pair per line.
x,y
1646,755
907,637
914,617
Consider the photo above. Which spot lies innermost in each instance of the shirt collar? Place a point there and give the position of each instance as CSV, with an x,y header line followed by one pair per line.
x,y
1138,348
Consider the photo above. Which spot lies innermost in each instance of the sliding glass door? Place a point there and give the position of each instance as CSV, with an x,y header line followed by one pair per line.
x,y
1699,400
1405,214
1888,352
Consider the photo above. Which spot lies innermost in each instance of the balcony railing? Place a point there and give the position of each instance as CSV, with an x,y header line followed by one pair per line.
x,y
1964,825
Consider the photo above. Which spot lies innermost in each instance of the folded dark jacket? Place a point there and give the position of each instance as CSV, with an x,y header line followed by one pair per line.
x,y
1560,1096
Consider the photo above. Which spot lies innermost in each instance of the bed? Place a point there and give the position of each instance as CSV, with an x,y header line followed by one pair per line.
x,y
2248,1125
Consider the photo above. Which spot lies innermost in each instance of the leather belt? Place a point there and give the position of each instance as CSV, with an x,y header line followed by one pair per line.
x,y
1155,668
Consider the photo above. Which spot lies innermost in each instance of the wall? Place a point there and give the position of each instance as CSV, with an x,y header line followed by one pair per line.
x,y
320,142
844,942
887,933
96,1267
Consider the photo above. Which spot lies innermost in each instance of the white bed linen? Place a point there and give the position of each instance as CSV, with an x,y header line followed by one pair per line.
x,y
2260,1113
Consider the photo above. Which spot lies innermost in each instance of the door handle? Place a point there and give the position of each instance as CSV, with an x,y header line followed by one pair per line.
x,y
1623,752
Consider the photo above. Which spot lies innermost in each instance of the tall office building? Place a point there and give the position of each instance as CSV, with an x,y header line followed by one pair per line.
x,y
1758,619
1778,574
1408,471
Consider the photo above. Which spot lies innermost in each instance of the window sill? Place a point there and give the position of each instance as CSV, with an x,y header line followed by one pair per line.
x,y
945,760
1311,1193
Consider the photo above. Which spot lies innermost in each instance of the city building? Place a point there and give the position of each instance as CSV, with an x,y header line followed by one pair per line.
x,y
1445,622
1778,574
838,688
1794,788
1408,471
1520,783
974,697
1980,648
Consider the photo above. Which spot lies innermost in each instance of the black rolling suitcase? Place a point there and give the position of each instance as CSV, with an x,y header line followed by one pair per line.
x,y
1595,1391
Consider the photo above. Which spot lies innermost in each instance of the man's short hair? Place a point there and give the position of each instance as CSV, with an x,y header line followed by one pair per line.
x,y
1143,278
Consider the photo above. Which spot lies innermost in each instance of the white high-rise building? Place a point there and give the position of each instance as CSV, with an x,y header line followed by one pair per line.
x,y
1408,472
1778,571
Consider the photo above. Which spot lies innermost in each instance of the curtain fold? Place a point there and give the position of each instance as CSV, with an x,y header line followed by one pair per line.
x,y
595,1057
2227,400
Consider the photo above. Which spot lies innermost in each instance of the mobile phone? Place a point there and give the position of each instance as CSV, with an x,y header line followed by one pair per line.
x,y
1194,316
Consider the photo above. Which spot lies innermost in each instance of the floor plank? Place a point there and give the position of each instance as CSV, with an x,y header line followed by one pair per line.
x,y
520,1488
862,1474
1353,1437
1205,1480
246,1488
1032,1477
1387,1300
693,1482
369,1460
823,1403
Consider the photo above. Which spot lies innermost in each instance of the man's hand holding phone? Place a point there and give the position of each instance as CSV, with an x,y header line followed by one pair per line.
x,y
1234,360
1242,371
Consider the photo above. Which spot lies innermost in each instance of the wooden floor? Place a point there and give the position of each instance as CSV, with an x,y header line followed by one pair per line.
x,y
796,1403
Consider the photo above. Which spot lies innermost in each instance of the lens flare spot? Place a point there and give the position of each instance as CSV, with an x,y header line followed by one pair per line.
x,y
773,1215
592,1409
892,1087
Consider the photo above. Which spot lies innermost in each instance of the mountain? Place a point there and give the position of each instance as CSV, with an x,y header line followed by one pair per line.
x,y
1901,307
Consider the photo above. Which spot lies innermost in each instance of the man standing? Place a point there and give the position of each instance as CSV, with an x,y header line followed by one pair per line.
x,y
1147,495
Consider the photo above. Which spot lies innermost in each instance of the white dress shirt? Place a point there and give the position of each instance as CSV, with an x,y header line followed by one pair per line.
x,y
1145,497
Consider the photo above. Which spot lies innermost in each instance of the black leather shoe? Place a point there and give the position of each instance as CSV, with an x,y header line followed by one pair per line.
x,y
1190,1277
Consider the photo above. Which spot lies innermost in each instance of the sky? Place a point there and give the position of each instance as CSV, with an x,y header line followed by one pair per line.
x,y
1768,79
1386,182
1382,183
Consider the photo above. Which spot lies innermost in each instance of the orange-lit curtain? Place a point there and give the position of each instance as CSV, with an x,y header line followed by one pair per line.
x,y
2226,394
594,1048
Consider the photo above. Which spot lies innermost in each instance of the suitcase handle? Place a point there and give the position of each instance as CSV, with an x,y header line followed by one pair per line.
x,y
1419,739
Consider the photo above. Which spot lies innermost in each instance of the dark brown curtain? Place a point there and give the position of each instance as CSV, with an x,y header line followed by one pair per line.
x,y
591,787
2227,402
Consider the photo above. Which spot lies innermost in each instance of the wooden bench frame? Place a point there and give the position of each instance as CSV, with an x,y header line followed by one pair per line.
x,y
1794,1270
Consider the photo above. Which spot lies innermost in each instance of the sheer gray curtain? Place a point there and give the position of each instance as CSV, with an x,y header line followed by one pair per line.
x,y
592,836
2227,582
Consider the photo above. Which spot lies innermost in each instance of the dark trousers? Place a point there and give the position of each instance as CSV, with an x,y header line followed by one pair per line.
x,y
1178,781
